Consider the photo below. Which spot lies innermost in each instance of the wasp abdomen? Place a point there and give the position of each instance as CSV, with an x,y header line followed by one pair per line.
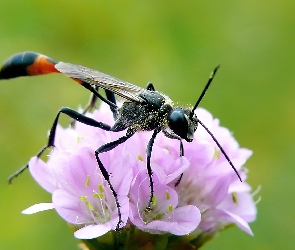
x,y
27,64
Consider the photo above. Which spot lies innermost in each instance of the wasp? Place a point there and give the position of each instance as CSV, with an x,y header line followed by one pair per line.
x,y
144,109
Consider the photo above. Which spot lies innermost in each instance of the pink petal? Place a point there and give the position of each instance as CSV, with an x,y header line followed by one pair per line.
x,y
187,218
43,174
182,221
69,207
244,208
238,221
173,169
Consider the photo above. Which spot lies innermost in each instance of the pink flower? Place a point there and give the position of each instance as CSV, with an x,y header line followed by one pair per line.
x,y
208,198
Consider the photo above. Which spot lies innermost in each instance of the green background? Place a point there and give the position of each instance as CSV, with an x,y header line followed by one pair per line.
x,y
175,45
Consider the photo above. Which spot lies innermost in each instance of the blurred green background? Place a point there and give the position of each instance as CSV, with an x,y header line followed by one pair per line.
x,y
174,44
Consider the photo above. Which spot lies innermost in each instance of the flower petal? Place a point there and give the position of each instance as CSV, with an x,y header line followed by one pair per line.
x,y
92,231
42,174
238,221
38,208
181,221
69,207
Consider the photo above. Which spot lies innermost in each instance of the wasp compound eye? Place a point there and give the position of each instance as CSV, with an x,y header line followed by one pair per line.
x,y
177,122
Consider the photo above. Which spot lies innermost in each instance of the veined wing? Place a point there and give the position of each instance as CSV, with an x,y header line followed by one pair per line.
x,y
124,89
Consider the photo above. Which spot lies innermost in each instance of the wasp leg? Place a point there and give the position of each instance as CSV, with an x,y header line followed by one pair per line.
x,y
91,103
74,115
111,97
93,99
110,100
149,169
23,168
181,151
104,148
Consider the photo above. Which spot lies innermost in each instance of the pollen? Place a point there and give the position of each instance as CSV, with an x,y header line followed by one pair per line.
x,y
88,204
100,188
154,200
79,139
87,180
98,195
167,195
216,155
83,198
139,157
235,197
170,208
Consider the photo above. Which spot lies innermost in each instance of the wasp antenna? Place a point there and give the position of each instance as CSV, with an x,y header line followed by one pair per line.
x,y
205,89
221,149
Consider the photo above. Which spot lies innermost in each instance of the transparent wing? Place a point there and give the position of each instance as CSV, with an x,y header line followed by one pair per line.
x,y
124,89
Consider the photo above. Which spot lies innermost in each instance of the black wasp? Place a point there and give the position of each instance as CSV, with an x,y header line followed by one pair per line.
x,y
143,110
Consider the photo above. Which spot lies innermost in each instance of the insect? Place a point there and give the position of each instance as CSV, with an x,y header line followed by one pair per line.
x,y
142,110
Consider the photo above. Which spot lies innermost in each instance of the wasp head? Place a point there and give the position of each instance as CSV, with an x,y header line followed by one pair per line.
x,y
183,123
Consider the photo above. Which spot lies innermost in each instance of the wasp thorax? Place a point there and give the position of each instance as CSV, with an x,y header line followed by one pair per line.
x,y
181,124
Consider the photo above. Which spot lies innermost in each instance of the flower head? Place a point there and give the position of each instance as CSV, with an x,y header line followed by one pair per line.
x,y
207,198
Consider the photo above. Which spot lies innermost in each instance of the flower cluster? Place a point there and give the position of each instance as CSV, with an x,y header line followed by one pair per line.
x,y
208,198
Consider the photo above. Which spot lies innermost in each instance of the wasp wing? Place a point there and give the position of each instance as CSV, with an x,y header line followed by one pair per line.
x,y
124,89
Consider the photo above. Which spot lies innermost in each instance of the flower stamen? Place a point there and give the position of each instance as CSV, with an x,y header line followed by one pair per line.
x,y
255,193
100,188
167,195
216,154
235,197
154,200
87,181
88,204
